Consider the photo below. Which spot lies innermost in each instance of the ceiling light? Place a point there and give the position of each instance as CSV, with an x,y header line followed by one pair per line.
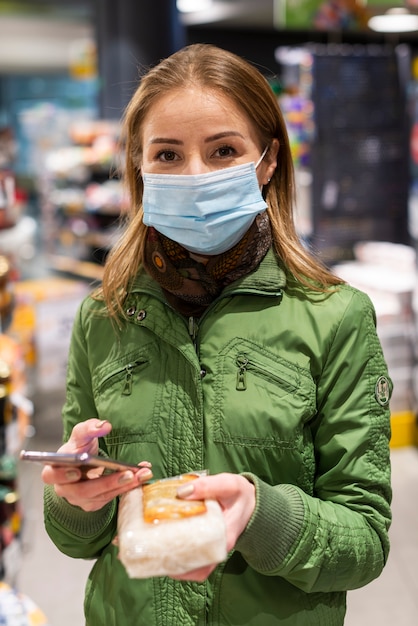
x,y
396,20
193,6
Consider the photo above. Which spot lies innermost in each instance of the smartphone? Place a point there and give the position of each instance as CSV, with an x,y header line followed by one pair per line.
x,y
83,460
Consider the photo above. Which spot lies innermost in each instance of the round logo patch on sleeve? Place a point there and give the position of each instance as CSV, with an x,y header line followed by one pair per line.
x,y
382,391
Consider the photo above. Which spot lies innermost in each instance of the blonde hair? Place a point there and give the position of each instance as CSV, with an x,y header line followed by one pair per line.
x,y
216,69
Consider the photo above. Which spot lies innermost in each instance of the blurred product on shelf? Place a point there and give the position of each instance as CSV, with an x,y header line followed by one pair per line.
x,y
415,369
8,147
294,94
6,298
17,230
43,315
86,132
13,199
18,244
16,412
82,199
6,408
8,217
8,198
10,514
17,609
11,350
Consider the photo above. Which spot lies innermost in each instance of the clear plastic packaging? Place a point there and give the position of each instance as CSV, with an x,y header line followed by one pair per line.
x,y
177,538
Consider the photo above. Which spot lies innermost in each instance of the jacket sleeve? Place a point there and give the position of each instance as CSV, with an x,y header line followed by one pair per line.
x,y
337,538
75,532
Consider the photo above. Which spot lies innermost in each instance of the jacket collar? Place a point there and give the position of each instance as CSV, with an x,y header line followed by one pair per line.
x,y
268,279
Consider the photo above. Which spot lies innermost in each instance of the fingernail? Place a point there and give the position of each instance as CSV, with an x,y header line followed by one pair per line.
x,y
101,424
126,477
185,490
146,474
72,475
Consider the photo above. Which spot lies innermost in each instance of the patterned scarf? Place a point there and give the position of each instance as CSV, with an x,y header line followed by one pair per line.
x,y
190,286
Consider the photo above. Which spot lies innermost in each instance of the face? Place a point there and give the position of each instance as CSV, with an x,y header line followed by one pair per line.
x,y
193,131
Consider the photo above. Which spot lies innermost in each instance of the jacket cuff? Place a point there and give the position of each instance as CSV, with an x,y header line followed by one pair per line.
x,y
274,527
73,519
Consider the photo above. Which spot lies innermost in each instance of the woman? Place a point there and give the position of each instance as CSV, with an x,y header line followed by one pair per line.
x,y
217,341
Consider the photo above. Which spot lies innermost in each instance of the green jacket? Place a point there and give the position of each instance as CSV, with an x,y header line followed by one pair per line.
x,y
290,391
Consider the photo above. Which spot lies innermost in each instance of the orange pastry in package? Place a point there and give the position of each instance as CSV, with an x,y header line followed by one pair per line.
x,y
160,534
161,503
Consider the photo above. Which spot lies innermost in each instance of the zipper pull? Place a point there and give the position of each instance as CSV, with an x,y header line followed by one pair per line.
x,y
193,329
242,363
127,390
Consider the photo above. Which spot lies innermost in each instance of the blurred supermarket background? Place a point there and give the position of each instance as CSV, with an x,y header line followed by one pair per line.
x,y
349,94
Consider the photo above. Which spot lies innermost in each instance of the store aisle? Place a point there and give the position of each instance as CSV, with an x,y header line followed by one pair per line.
x,y
393,598
56,583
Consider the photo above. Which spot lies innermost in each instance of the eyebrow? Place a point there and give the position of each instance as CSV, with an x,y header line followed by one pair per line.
x,y
226,133
177,142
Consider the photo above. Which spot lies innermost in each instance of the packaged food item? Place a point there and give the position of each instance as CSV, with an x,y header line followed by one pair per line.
x,y
160,534
160,502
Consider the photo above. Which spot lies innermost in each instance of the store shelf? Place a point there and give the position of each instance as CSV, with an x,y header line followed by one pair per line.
x,y
82,200
83,269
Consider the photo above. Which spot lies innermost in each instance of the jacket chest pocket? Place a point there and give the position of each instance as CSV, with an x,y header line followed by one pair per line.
x,y
262,398
126,393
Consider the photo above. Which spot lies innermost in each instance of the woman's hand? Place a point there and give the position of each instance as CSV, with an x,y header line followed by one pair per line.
x,y
236,497
95,492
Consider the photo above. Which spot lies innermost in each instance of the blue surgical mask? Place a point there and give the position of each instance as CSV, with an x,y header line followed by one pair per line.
x,y
205,213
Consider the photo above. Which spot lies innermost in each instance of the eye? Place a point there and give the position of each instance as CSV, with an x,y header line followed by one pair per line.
x,y
225,152
166,155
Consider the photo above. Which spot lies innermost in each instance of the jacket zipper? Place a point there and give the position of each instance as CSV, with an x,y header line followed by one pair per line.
x,y
193,323
193,330
127,389
245,364
124,377
242,362
129,376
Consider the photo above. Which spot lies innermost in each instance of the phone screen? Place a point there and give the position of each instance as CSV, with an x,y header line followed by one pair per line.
x,y
81,460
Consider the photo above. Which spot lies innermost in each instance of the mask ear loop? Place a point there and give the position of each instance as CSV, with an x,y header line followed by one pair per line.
x,y
258,163
262,157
